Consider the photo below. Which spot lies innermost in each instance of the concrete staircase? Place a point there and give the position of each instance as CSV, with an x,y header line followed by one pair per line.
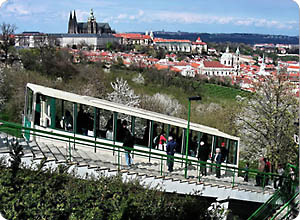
x,y
86,162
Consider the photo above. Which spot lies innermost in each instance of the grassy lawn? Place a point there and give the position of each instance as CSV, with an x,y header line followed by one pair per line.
x,y
221,94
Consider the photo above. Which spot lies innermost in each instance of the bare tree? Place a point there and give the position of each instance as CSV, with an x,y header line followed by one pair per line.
x,y
266,123
162,103
7,40
123,94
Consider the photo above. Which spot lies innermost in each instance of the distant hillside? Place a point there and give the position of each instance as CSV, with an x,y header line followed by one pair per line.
x,y
234,37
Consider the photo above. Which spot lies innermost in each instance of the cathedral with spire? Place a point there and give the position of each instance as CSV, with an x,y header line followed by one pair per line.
x,y
89,27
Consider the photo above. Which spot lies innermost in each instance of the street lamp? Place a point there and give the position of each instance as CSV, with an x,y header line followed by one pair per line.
x,y
195,98
298,3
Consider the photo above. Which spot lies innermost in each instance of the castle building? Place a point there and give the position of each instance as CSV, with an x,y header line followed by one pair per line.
x,y
89,27
199,46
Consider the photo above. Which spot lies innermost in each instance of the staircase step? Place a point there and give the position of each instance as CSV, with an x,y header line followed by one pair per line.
x,y
45,150
57,153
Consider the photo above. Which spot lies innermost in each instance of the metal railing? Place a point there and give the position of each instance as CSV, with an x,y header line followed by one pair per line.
x,y
286,206
281,198
71,140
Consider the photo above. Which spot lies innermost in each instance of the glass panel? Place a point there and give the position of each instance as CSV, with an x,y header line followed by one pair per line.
x,y
142,131
173,132
67,122
122,118
29,101
180,140
59,114
232,153
209,139
221,143
43,111
104,124
37,114
85,120
193,143
159,136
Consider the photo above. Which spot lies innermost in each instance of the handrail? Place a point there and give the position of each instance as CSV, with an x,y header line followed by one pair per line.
x,y
285,205
93,143
282,195
275,196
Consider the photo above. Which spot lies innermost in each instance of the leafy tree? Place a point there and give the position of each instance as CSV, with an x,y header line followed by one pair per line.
x,y
7,40
30,59
266,122
53,194
160,54
13,91
48,60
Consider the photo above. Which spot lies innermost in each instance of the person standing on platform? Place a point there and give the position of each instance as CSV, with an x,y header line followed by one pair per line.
x,y
218,160
171,146
279,179
162,141
128,141
261,168
246,174
203,154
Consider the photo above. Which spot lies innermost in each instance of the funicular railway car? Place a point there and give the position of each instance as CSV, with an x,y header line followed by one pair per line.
x,y
87,117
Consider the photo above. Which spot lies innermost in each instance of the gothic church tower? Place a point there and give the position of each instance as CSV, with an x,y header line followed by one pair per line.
x,y
73,27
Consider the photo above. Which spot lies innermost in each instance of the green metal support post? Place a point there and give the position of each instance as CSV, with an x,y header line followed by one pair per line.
x,y
94,128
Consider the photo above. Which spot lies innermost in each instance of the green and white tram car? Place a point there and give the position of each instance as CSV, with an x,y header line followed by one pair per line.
x,y
97,119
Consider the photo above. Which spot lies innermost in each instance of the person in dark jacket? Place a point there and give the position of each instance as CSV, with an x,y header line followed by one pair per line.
x,y
217,158
171,146
246,173
128,141
203,154
120,129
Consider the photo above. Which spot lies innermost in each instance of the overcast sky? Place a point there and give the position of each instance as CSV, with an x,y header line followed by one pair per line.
x,y
211,16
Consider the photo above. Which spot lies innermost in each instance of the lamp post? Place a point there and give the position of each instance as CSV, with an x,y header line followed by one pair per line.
x,y
195,98
298,3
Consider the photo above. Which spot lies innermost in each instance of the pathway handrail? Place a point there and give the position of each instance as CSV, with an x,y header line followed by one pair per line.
x,y
284,206
261,209
282,195
4,126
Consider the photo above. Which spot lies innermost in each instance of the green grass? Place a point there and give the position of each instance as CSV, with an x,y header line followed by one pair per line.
x,y
217,93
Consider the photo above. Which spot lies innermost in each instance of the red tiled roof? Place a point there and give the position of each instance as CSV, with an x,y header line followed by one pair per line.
x,y
132,36
160,67
104,53
175,69
214,64
293,75
158,40
294,67
199,43
153,59
195,65
182,63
